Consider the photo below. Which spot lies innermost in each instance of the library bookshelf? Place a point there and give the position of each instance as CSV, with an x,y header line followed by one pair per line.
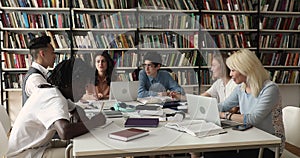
x,y
185,33
269,28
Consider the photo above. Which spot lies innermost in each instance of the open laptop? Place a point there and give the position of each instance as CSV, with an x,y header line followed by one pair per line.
x,y
124,90
206,108
203,108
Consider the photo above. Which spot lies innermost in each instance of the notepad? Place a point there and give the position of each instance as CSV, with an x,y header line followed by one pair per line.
x,y
128,134
198,128
141,122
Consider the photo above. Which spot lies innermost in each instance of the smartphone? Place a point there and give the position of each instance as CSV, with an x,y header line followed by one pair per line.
x,y
242,127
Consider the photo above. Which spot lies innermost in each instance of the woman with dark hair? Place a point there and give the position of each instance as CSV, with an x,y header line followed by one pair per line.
x,y
104,65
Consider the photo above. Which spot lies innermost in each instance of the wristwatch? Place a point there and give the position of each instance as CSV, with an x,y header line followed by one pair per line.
x,y
226,115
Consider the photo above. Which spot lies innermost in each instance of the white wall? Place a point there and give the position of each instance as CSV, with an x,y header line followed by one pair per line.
x,y
290,95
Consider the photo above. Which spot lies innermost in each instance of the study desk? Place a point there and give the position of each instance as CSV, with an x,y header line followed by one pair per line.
x,y
163,140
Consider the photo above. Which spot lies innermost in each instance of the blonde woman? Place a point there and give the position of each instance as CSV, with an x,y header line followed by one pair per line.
x,y
258,97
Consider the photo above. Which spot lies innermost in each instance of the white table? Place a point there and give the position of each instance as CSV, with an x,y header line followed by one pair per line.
x,y
165,141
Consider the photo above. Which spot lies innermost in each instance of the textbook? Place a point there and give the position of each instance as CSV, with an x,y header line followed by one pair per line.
x,y
128,134
198,128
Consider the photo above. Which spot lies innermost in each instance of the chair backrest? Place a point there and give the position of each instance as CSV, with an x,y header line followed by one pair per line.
x,y
4,119
291,117
3,141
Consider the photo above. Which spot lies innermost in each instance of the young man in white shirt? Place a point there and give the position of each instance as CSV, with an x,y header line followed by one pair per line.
x,y
43,56
46,112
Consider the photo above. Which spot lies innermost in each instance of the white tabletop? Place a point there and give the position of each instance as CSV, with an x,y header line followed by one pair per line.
x,y
164,140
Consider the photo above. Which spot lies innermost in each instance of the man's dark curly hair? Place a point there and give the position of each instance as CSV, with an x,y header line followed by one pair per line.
x,y
73,69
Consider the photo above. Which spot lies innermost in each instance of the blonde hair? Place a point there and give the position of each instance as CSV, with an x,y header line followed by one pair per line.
x,y
247,63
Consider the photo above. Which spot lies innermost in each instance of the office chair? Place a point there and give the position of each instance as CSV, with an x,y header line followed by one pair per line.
x,y
291,117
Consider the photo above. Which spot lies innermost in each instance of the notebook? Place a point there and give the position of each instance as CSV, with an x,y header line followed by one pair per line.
x,y
206,108
124,90
129,134
141,122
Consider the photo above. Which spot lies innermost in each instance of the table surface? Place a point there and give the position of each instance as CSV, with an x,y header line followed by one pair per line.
x,y
163,140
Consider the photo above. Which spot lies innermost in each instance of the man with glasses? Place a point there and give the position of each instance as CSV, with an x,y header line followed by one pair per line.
x,y
43,56
156,82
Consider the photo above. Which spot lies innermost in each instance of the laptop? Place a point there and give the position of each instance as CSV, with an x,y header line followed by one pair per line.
x,y
203,108
124,90
206,108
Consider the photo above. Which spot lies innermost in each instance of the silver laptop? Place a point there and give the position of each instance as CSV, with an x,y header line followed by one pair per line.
x,y
124,90
204,108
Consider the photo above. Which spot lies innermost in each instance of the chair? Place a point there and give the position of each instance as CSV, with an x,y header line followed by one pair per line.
x,y
3,142
291,117
5,120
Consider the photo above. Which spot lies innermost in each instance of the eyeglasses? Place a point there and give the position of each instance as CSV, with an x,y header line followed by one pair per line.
x,y
148,65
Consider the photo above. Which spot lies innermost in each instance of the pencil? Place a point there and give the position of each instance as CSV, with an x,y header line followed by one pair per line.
x,y
102,106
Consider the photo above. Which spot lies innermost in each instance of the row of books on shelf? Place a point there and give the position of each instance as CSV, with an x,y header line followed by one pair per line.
x,y
20,41
162,40
15,40
119,20
15,60
285,76
229,5
186,77
280,5
249,5
169,4
280,41
169,21
281,23
35,3
125,59
183,77
18,19
240,21
205,77
234,40
169,40
179,59
105,4
280,59
108,40
170,59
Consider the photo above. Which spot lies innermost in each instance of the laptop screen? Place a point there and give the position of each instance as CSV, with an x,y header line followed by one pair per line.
x,y
204,108
124,90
